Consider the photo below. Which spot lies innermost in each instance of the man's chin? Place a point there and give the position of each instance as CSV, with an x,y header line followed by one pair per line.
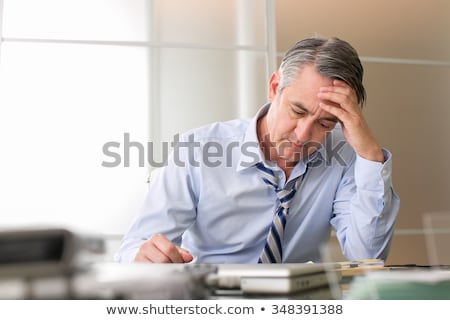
x,y
292,159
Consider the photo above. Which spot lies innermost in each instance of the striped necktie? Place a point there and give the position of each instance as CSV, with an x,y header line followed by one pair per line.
x,y
273,252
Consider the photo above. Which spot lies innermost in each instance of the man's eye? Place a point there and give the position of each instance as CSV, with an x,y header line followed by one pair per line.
x,y
326,125
298,112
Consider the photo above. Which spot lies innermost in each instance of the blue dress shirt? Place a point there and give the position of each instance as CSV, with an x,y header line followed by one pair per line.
x,y
211,200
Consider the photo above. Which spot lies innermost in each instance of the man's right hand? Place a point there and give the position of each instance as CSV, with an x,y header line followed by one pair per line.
x,y
159,249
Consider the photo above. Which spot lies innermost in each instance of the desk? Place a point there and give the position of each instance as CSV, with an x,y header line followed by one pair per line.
x,y
174,282
371,282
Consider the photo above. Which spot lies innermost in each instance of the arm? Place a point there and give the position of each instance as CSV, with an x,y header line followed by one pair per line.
x,y
168,210
365,209
366,206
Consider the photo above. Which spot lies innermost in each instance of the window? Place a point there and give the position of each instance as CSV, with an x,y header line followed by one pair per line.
x,y
77,74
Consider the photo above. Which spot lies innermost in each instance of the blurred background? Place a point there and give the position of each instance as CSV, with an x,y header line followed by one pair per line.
x,y
86,84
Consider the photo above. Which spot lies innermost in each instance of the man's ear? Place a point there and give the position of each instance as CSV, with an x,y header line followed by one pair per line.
x,y
273,85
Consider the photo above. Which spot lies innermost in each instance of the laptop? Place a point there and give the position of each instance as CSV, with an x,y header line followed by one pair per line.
x,y
274,278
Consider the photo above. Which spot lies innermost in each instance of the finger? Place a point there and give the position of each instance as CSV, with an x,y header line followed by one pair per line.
x,y
167,248
341,97
185,255
338,91
150,254
158,249
341,88
340,83
336,111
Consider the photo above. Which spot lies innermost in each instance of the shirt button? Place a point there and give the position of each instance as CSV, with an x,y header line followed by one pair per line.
x,y
384,171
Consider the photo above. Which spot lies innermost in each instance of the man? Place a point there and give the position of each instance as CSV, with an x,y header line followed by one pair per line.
x,y
269,189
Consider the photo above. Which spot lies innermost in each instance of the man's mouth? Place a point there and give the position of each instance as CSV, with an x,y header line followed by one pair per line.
x,y
296,144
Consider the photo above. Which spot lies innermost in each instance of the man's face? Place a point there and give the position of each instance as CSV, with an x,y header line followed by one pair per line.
x,y
296,124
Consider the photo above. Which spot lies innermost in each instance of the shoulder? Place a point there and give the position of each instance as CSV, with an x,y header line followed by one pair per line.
x,y
218,131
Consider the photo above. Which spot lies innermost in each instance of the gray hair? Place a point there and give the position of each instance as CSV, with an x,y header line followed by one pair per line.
x,y
333,58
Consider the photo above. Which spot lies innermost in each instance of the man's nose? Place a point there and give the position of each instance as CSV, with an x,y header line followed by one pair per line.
x,y
304,130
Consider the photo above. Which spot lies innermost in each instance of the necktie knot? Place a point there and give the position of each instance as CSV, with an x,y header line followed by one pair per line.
x,y
285,194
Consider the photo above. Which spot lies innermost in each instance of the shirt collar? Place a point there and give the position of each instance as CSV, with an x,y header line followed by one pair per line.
x,y
251,152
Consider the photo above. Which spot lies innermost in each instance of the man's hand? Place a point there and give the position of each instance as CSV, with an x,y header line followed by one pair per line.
x,y
340,100
159,249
